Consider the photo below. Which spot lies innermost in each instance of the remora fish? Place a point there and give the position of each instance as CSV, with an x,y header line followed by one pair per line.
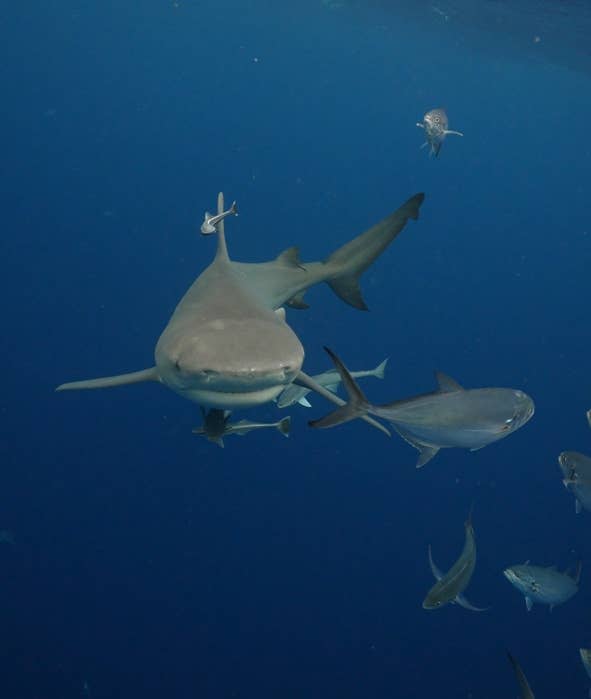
x,y
451,585
210,221
449,417
543,585
585,654
435,124
526,692
225,345
576,471
216,426
328,379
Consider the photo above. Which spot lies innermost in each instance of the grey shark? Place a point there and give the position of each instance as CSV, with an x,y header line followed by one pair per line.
x,y
524,688
543,585
450,586
216,426
210,221
328,379
449,417
435,125
227,344
576,472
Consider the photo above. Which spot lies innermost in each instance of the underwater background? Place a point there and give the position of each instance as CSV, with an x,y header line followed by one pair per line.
x,y
140,560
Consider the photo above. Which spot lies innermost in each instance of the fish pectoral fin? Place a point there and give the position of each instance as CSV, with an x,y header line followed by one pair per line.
x,y
305,402
437,574
297,301
463,602
478,448
448,132
426,454
150,374
529,603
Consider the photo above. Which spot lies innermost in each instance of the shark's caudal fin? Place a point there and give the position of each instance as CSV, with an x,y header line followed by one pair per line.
x,y
356,406
353,258
109,381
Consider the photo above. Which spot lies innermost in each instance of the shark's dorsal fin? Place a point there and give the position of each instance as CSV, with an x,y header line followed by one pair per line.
x,y
290,258
222,251
446,383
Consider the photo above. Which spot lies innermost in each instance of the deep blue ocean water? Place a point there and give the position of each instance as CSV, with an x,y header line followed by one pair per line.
x,y
146,561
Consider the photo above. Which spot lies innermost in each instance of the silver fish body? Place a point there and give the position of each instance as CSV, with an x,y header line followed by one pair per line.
x,y
435,124
216,426
576,472
451,585
543,585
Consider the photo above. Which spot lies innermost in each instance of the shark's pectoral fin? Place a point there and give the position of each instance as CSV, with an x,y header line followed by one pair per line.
x,y
529,603
109,381
297,301
347,288
463,602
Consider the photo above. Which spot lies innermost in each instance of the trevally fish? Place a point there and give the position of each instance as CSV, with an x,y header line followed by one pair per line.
x,y
585,654
451,585
435,124
543,585
526,692
328,379
576,471
216,426
450,417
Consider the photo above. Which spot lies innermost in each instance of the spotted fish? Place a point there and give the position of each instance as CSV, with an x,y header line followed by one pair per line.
x,y
435,124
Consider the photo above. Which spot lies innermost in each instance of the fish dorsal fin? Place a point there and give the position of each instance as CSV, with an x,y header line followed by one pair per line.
x,y
290,258
446,383
222,251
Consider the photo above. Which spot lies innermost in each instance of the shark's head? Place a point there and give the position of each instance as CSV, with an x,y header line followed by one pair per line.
x,y
230,363
432,601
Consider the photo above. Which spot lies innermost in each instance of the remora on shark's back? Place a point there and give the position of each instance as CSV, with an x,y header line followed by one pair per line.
x,y
227,344
450,417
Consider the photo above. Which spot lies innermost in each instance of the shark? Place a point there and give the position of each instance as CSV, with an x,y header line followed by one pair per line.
x,y
524,688
450,586
227,344
452,416
543,585
216,426
328,379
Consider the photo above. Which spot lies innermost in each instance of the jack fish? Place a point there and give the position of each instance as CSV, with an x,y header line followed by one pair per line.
x,y
543,585
435,124
449,417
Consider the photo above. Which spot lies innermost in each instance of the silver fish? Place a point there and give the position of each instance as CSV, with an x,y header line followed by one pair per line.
x,y
585,654
435,124
216,426
328,379
451,585
526,691
449,417
576,471
210,221
543,585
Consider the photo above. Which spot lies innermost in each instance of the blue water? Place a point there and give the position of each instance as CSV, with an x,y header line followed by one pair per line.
x,y
149,563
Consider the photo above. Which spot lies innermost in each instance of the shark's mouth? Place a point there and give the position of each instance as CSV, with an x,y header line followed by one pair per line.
x,y
233,400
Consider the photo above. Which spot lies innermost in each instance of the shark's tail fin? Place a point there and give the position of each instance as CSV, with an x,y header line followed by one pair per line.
x,y
357,405
109,381
284,426
353,258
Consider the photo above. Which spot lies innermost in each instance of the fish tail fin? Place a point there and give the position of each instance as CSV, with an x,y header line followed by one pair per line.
x,y
356,406
284,426
352,259
150,374
380,370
